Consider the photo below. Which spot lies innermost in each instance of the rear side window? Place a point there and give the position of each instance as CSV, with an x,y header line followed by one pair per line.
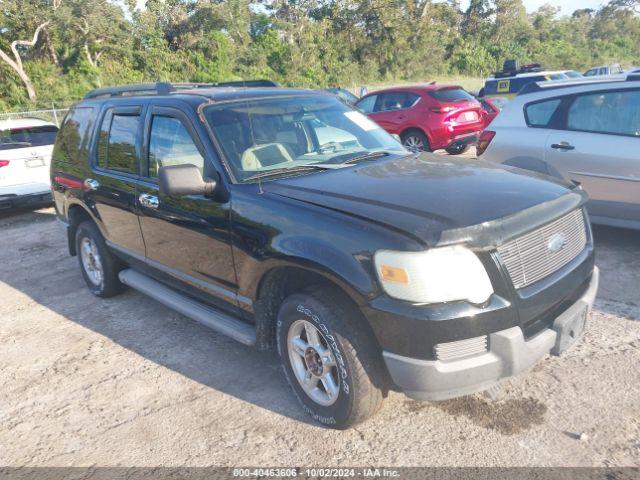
x,y
73,138
616,112
396,101
539,114
117,142
592,72
28,137
450,95
171,144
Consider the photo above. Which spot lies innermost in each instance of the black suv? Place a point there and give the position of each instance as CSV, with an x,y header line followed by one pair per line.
x,y
284,218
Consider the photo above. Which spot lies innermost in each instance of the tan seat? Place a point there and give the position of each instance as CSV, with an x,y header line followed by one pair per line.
x,y
265,155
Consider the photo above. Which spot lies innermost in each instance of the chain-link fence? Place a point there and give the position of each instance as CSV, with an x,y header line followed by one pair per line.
x,y
53,115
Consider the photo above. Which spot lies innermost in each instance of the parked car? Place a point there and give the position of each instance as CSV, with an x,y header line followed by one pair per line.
x,y
602,70
513,77
572,74
367,266
25,154
491,107
427,117
343,94
587,133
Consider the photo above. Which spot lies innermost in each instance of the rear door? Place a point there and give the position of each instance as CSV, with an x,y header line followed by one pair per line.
x,y
111,188
599,147
187,238
25,156
392,110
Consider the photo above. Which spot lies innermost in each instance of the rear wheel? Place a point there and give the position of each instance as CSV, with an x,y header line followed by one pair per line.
x,y
332,363
98,265
457,150
416,140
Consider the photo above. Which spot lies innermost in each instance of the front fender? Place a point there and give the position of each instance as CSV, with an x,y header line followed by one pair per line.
x,y
353,273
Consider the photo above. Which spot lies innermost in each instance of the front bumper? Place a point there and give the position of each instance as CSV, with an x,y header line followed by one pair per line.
x,y
508,354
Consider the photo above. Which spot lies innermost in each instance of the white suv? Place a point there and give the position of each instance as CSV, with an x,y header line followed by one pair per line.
x,y
25,156
586,133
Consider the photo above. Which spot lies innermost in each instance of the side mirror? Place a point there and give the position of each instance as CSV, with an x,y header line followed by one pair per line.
x,y
183,180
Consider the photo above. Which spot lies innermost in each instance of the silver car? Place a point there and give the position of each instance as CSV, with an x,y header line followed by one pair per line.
x,y
586,133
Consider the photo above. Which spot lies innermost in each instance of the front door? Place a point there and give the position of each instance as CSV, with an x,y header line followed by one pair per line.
x,y
185,237
599,148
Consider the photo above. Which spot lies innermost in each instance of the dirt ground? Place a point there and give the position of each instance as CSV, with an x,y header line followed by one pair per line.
x,y
127,382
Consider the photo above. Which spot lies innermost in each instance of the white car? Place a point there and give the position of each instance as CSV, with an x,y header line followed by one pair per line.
x,y
25,156
603,70
583,132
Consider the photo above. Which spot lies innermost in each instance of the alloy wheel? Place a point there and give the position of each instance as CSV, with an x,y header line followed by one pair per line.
x,y
91,261
313,362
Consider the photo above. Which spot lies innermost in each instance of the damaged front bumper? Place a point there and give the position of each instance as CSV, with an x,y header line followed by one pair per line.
x,y
508,354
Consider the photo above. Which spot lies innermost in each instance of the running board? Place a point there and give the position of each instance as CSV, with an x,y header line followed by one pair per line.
x,y
214,319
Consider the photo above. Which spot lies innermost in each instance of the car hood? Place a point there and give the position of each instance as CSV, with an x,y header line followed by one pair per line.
x,y
427,195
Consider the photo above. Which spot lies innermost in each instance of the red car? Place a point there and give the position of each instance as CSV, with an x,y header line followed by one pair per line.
x,y
427,117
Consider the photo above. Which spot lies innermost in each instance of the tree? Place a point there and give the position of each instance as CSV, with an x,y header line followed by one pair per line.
x,y
17,18
16,62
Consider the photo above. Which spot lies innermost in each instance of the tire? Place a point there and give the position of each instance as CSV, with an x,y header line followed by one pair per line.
x,y
457,150
345,351
94,256
415,140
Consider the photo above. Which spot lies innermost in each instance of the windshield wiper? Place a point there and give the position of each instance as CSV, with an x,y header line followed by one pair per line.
x,y
300,168
366,156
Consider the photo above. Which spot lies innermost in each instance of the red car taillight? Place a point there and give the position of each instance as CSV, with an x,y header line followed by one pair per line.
x,y
4,163
485,140
442,109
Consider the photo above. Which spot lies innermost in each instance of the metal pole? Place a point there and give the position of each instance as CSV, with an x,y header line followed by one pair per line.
x,y
55,115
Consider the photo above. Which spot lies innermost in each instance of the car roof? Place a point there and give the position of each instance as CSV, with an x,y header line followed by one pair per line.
x,y
23,123
421,87
199,95
528,74
558,88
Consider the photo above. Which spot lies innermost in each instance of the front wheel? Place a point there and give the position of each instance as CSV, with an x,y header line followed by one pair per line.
x,y
457,150
330,358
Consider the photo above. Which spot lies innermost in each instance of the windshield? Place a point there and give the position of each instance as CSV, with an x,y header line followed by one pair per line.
x,y
287,133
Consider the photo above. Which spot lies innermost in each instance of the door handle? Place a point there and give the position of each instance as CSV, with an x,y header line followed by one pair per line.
x,y
562,146
91,184
149,201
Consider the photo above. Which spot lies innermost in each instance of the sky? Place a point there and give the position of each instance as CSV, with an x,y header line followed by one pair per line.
x,y
567,6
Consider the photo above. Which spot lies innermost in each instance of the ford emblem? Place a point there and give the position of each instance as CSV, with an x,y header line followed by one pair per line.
x,y
556,243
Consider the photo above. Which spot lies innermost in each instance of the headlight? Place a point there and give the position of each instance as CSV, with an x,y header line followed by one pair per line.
x,y
437,275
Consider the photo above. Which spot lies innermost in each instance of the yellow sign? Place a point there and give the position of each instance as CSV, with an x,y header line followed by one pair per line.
x,y
503,86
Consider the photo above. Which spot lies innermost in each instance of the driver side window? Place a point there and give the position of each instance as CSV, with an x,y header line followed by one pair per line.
x,y
171,144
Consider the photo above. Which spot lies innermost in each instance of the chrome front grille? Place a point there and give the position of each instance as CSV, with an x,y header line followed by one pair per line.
x,y
538,254
461,348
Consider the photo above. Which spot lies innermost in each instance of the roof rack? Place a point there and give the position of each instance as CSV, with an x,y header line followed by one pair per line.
x,y
529,68
165,88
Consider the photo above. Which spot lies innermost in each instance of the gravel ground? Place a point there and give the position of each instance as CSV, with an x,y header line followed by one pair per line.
x,y
126,382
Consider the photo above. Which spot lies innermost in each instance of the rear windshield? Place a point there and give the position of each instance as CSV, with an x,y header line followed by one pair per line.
x,y
28,137
449,95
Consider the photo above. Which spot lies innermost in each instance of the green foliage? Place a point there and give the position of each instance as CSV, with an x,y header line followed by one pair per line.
x,y
310,43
